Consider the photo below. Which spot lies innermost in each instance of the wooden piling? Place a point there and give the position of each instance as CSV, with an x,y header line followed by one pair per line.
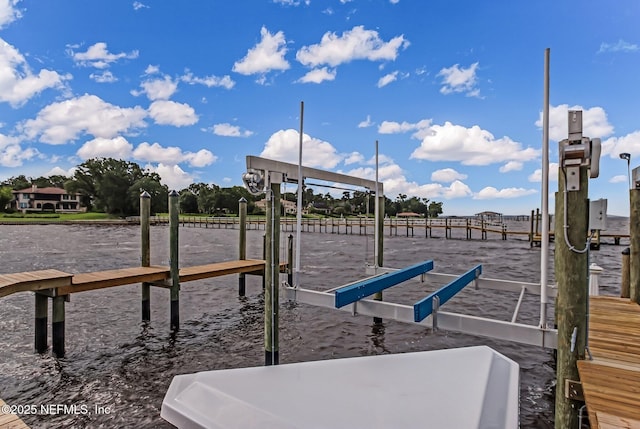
x,y
242,245
174,268
624,287
634,240
42,311
57,327
145,251
272,274
572,278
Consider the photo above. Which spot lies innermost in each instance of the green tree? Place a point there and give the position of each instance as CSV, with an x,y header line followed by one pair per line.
x,y
188,201
435,209
18,182
159,194
5,197
104,184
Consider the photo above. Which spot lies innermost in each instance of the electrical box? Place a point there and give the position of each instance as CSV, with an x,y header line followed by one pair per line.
x,y
635,175
598,214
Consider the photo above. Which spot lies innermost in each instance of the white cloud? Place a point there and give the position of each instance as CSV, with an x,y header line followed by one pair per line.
x,y
421,128
166,112
104,77
138,5
353,158
118,148
98,56
614,146
619,46
470,146
172,175
17,82
172,155
619,179
267,55
447,175
511,166
387,79
459,79
366,123
355,44
9,12
57,171
318,75
157,89
228,130
12,154
283,146
209,81
151,70
201,158
536,176
490,193
62,122
594,122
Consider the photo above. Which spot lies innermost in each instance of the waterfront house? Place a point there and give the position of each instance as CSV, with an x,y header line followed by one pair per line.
x,y
49,199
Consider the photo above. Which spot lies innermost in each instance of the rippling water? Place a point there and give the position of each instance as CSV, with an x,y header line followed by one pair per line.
x,y
115,362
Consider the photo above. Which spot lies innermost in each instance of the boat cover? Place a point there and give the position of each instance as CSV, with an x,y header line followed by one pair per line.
x,y
473,387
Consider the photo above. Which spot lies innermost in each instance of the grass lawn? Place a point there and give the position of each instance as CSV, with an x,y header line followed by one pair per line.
x,y
53,217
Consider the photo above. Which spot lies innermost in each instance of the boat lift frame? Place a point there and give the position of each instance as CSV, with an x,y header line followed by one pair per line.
x,y
427,311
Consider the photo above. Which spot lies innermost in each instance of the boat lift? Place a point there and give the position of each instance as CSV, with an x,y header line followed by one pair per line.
x,y
353,297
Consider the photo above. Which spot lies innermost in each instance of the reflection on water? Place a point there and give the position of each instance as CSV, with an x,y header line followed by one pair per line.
x,y
123,366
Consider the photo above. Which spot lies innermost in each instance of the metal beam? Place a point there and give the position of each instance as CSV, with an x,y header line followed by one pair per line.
x,y
291,173
472,325
349,294
424,307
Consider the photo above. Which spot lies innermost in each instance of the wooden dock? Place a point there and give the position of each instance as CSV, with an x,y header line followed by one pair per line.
x,y
611,380
10,421
64,283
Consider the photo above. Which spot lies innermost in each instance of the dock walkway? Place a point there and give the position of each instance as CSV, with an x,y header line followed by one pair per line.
x,y
611,380
10,421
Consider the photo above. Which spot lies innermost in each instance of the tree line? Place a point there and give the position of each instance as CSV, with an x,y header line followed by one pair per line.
x,y
113,186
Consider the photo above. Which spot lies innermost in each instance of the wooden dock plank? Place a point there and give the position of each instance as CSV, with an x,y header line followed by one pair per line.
x,y
32,281
105,279
611,381
10,421
220,269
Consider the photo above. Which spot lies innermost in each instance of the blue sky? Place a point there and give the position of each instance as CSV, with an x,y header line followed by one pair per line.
x,y
453,91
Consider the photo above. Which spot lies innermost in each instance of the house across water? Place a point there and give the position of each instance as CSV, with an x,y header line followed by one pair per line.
x,y
49,199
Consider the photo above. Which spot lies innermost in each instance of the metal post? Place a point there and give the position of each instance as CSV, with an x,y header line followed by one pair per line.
x,y
242,247
544,238
145,249
634,240
571,302
379,245
57,327
272,274
174,210
42,311
290,260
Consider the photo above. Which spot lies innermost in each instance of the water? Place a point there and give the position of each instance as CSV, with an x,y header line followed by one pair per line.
x,y
116,363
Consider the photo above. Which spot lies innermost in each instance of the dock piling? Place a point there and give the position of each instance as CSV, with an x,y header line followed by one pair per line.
x,y
379,245
42,311
572,278
145,249
174,209
57,327
242,246
272,274
634,240
624,287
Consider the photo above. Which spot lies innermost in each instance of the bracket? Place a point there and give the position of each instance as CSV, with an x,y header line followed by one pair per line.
x,y
573,390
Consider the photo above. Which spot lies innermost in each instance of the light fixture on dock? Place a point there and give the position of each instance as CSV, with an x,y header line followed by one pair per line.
x,y
254,182
627,156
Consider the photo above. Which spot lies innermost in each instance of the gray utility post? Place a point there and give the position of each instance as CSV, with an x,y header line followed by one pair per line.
x,y
272,275
242,247
578,161
174,209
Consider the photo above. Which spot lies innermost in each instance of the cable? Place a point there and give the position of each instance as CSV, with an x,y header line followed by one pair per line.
x,y
565,221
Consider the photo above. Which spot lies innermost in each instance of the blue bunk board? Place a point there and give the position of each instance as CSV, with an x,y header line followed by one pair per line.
x,y
424,307
359,290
